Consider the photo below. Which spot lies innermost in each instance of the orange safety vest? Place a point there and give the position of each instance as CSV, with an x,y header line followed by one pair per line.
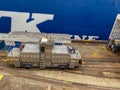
x,y
21,47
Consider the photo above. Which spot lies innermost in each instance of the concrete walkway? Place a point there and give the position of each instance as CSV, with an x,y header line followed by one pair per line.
x,y
77,78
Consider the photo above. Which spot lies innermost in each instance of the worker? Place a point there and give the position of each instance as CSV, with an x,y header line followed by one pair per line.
x,y
113,47
21,47
71,49
110,43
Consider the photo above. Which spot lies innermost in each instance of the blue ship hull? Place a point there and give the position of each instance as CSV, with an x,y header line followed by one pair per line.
x,y
81,17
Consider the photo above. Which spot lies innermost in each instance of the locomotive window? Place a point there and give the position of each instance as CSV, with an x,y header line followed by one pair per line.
x,y
42,49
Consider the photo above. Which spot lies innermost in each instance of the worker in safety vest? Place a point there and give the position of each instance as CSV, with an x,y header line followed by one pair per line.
x,y
21,47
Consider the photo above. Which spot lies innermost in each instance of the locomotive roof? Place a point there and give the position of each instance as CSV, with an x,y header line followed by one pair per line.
x,y
60,49
15,52
31,48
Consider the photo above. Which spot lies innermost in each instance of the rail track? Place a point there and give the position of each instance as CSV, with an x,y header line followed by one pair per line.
x,y
24,73
104,65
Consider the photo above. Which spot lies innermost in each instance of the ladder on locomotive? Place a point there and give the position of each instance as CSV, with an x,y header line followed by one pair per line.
x,y
41,58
